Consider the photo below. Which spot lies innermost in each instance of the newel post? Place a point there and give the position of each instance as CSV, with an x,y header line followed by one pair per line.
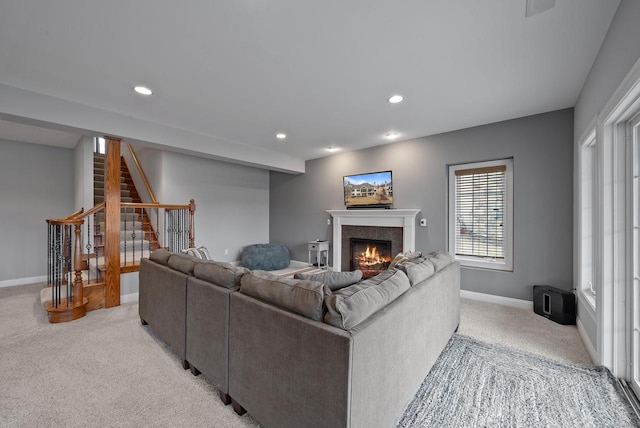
x,y
77,264
192,225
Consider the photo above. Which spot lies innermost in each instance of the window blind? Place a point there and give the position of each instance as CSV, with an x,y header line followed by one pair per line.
x,y
480,210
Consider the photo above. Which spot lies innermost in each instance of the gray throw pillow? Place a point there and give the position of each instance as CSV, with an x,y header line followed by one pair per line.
x,y
334,280
302,297
220,273
348,307
417,269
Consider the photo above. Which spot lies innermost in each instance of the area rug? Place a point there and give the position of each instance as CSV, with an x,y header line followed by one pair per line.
x,y
476,384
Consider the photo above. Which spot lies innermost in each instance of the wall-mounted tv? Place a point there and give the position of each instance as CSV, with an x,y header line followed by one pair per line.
x,y
370,190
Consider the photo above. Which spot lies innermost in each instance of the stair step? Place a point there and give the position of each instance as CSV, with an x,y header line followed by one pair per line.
x,y
124,216
100,177
134,246
128,226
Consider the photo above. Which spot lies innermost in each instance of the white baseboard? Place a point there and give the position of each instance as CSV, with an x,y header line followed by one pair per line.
x,y
129,298
500,300
587,342
23,281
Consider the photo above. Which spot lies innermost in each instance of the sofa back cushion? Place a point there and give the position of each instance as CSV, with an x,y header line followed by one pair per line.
x,y
160,256
182,263
223,274
333,280
351,305
440,259
300,296
417,269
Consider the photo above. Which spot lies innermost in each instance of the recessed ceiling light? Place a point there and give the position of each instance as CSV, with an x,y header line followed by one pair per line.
x,y
332,149
281,136
395,99
142,90
391,135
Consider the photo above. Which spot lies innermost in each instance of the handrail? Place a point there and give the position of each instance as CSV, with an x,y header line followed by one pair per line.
x,y
149,205
144,177
92,210
75,214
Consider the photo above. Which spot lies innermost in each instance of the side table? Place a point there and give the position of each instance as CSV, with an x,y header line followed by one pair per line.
x,y
319,247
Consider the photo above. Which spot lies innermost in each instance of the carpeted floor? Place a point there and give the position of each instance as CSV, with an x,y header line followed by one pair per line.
x,y
476,384
106,369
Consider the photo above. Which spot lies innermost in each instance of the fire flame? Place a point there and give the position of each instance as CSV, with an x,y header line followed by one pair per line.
x,y
370,256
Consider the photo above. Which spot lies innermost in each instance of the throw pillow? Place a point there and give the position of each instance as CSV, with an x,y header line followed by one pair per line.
x,y
348,307
302,297
201,253
333,280
403,257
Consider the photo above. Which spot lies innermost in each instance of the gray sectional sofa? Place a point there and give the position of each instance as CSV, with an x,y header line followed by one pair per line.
x,y
295,353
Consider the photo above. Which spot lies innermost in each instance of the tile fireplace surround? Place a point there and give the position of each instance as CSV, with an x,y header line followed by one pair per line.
x,y
404,218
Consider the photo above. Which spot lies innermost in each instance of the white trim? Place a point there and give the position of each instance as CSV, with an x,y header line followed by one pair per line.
x,y
613,233
128,298
500,300
23,281
587,342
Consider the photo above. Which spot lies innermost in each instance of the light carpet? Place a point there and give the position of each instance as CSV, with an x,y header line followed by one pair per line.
x,y
476,384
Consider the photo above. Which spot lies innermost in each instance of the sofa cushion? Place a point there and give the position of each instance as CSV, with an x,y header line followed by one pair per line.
x,y
440,259
351,305
265,257
333,280
160,256
417,269
223,274
300,296
182,263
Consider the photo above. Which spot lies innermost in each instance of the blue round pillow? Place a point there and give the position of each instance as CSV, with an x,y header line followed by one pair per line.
x,y
265,257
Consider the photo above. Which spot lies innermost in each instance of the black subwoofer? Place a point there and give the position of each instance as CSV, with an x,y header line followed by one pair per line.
x,y
555,304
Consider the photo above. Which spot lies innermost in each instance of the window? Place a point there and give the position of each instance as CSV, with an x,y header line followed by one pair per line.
x,y
99,145
480,214
587,212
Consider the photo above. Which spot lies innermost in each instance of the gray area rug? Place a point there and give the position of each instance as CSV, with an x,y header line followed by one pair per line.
x,y
475,384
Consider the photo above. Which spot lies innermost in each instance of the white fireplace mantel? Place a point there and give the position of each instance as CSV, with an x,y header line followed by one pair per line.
x,y
404,218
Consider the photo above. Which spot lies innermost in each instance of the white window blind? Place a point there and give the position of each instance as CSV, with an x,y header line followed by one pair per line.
x,y
480,210
480,220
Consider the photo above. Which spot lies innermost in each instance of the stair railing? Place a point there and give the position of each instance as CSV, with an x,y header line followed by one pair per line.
x,y
75,256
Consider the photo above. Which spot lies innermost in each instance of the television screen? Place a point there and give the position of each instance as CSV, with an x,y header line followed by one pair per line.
x,y
373,189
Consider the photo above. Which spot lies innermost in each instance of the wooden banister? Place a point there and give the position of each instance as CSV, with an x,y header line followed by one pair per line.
x,y
144,177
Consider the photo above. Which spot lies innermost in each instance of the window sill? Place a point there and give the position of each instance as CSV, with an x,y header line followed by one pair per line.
x,y
589,298
478,263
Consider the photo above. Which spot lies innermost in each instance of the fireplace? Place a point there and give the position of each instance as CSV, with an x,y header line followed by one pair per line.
x,y
371,256
396,225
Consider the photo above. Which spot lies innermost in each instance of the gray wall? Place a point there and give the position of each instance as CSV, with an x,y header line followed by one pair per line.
x,y
542,148
232,201
618,54
36,183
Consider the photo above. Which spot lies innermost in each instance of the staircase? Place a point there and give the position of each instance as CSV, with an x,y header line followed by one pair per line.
x,y
137,235
77,275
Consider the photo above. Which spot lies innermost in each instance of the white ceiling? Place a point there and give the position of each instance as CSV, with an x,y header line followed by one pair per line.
x,y
229,75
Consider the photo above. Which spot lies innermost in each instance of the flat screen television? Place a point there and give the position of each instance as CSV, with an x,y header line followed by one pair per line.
x,y
370,190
